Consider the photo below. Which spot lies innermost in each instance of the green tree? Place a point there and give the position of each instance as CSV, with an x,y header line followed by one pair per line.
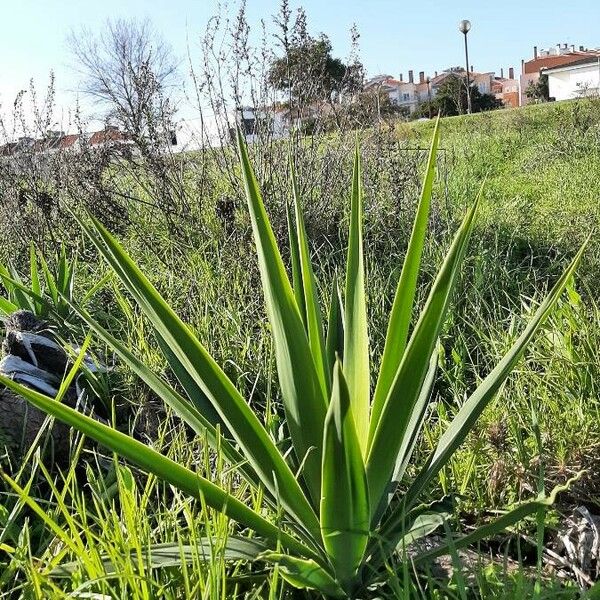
x,y
538,91
451,99
308,71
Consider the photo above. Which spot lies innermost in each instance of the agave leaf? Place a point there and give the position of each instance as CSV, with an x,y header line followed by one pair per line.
x,y
415,423
192,389
311,303
50,280
305,574
413,430
25,297
296,268
18,293
335,329
472,408
161,556
424,525
497,525
345,499
35,278
7,307
356,338
410,377
164,468
402,308
406,528
184,408
304,401
238,417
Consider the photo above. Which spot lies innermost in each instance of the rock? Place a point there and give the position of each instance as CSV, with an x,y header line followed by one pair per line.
x,y
20,423
34,359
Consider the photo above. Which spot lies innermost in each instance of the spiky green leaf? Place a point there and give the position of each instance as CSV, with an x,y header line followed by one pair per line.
x,y
402,308
356,338
345,510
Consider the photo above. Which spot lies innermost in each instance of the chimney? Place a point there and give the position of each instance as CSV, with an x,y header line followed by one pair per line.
x,y
401,77
501,73
580,48
558,49
421,76
436,74
511,73
411,77
472,69
572,47
535,53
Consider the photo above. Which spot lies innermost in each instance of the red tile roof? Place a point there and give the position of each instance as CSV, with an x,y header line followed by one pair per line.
x,y
110,134
66,141
560,60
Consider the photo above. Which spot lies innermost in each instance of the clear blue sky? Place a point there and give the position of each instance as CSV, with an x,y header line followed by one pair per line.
x,y
395,36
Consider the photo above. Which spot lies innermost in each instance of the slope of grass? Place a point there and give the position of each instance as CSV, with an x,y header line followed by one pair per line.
x,y
542,200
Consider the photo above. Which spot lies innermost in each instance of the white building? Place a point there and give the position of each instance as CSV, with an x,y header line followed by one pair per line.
x,y
212,130
577,79
409,94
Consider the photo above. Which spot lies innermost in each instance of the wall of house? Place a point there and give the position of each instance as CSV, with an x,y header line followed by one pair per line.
x,y
574,82
524,81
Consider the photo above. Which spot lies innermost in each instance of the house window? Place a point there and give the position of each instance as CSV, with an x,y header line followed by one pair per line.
x,y
405,97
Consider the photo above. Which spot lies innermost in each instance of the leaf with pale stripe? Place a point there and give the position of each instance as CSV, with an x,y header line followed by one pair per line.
x,y
409,379
345,510
402,308
303,399
166,469
314,322
237,415
356,338
469,412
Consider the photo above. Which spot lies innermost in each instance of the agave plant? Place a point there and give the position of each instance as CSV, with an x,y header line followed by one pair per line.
x,y
333,516
49,293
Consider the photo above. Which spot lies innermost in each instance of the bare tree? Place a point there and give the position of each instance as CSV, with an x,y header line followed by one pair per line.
x,y
131,73
129,70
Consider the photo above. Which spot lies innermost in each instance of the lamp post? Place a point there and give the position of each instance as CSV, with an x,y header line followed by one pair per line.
x,y
464,27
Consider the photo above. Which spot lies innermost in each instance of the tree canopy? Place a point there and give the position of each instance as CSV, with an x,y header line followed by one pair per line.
x,y
307,70
451,99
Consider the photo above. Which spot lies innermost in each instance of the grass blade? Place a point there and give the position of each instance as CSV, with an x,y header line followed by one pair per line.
x,y
166,469
356,339
402,308
345,510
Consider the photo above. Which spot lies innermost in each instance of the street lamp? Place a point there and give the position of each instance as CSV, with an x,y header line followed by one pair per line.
x,y
464,27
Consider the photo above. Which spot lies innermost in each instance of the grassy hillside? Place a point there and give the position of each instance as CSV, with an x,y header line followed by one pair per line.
x,y
541,200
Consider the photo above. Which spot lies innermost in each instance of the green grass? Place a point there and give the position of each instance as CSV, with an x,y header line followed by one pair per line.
x,y
542,200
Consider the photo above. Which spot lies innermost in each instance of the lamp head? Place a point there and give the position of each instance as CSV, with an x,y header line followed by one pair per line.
x,y
464,26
